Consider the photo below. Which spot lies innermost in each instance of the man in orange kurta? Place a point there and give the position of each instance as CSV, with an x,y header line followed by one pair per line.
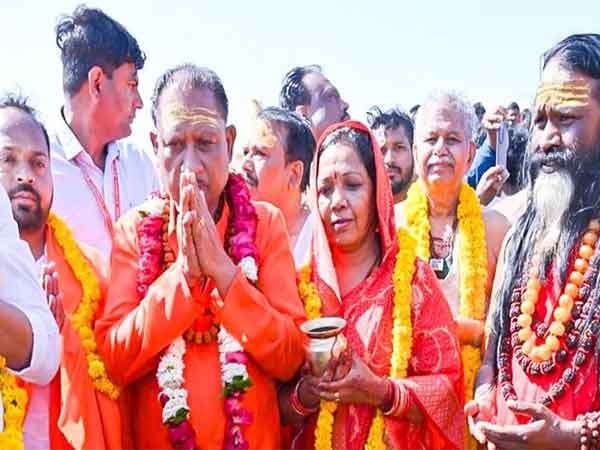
x,y
68,413
202,288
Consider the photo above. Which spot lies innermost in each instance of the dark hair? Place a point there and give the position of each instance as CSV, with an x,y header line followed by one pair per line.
x,y
293,92
391,120
20,102
90,38
193,77
360,141
479,109
514,105
414,109
578,53
300,142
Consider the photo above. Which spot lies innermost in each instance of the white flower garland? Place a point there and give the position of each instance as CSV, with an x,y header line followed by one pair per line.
x,y
170,368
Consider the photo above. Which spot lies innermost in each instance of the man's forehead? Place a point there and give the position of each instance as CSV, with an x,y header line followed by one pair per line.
x,y
555,72
561,87
19,127
21,140
441,116
181,107
263,134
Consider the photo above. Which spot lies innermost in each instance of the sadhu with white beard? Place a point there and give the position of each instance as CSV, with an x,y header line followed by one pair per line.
x,y
538,386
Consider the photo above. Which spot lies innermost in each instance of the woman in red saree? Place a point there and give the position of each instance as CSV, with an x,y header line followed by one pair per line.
x,y
353,256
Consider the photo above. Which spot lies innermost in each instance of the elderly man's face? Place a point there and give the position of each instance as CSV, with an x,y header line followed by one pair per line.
x,y
443,148
192,136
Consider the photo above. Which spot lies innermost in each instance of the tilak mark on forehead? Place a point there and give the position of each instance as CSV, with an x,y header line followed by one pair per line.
x,y
563,95
263,134
194,116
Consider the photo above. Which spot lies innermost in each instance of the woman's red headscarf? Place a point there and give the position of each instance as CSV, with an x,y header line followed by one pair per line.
x,y
321,260
368,310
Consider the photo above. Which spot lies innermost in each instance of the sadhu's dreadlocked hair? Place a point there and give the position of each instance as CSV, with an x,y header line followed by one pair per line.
x,y
578,53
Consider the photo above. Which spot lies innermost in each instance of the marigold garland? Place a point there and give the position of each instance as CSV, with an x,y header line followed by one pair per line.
x,y
14,401
83,318
401,337
472,261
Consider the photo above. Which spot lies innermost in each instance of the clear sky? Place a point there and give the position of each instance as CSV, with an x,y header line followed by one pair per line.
x,y
376,52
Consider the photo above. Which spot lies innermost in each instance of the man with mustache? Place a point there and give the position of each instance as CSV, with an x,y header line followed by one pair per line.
x,y
538,386
306,91
394,131
458,239
206,281
70,411
97,175
29,339
276,166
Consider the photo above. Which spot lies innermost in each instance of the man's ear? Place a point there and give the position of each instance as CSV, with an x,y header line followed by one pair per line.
x,y
472,150
414,155
230,135
95,78
154,140
296,171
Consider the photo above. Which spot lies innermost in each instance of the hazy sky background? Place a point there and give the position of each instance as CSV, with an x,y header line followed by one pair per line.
x,y
385,53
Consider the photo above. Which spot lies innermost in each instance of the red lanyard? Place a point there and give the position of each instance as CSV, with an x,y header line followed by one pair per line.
x,y
108,222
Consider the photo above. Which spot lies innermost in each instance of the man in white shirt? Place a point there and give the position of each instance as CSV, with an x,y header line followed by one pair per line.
x,y
97,177
25,174
29,338
276,166
28,334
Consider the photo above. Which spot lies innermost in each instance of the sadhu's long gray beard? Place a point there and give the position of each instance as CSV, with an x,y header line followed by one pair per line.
x,y
552,198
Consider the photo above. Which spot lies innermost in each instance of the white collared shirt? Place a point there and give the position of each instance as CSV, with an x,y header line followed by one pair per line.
x,y
20,286
36,427
76,203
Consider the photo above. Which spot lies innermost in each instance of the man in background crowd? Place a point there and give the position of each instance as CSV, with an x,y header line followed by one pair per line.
x,y
394,131
276,166
97,176
306,91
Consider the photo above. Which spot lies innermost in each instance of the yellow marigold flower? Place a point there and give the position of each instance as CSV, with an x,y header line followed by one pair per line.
x,y
401,336
82,320
472,262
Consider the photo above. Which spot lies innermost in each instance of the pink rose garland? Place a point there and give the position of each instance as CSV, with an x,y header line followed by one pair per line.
x,y
240,245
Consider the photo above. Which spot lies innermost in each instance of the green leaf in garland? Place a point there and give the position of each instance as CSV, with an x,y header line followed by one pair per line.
x,y
179,417
238,384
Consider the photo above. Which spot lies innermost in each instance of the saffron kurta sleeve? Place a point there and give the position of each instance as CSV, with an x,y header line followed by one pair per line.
x,y
133,333
81,417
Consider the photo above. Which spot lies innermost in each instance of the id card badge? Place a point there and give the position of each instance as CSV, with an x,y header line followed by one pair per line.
x,y
437,265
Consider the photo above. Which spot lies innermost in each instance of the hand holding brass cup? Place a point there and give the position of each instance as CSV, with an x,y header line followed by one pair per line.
x,y
325,342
